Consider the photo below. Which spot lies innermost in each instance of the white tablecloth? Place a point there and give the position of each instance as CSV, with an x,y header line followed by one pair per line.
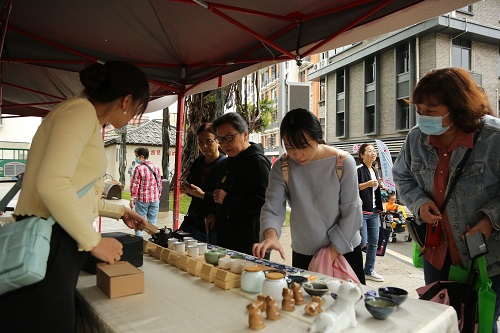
x,y
175,301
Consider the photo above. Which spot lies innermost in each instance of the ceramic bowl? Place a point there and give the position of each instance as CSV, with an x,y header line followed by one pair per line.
x,y
295,278
380,307
398,295
225,263
315,288
237,266
237,256
222,252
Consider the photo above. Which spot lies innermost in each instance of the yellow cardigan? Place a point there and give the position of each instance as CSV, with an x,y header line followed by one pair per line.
x,y
67,154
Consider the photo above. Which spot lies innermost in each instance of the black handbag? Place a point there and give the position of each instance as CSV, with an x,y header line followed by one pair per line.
x,y
420,232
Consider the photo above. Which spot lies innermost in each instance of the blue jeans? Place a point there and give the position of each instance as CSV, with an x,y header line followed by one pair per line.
x,y
148,210
432,274
369,233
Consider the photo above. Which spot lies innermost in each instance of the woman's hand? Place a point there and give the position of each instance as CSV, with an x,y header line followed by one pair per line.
x,y
193,191
333,252
131,204
484,226
108,250
210,223
271,241
132,219
219,196
429,213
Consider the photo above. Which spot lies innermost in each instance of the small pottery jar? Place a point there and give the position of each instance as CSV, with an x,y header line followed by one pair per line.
x,y
273,286
252,279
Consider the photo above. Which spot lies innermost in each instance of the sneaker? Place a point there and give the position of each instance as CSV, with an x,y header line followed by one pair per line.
x,y
374,277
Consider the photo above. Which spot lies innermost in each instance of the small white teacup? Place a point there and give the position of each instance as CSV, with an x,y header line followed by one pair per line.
x,y
202,247
180,247
193,250
171,242
237,266
190,242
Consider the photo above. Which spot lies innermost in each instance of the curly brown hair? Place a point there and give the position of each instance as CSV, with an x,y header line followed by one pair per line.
x,y
454,88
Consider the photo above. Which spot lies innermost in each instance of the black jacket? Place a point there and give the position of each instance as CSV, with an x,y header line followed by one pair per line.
x,y
200,208
245,179
366,195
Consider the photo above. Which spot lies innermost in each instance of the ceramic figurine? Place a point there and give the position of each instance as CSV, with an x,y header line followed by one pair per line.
x,y
255,320
288,303
297,294
314,308
261,302
272,310
341,315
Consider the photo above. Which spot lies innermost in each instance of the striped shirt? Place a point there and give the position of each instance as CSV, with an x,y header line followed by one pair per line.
x,y
144,187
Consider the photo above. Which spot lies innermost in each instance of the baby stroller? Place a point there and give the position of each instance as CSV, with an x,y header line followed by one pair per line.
x,y
396,222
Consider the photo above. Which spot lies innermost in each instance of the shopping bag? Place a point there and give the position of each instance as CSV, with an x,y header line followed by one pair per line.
x,y
485,294
469,292
417,257
340,268
383,239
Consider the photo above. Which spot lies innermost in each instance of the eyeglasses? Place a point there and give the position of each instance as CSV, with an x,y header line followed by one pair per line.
x,y
207,142
227,138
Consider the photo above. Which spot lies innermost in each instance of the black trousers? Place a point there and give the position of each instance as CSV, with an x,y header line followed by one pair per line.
x,y
49,305
354,258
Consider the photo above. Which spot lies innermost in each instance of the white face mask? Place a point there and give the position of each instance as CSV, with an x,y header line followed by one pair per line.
x,y
432,125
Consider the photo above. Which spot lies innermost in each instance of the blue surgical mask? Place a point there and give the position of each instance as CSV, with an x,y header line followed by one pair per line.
x,y
137,160
432,125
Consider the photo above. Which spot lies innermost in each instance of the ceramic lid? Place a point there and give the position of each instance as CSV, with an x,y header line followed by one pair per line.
x,y
252,269
274,276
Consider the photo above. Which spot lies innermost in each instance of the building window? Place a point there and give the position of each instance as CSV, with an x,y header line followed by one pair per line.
x,y
370,70
403,59
461,53
467,9
341,109
322,91
370,119
402,115
322,122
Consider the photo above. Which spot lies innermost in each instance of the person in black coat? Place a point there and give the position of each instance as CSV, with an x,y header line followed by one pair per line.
x,y
200,184
241,188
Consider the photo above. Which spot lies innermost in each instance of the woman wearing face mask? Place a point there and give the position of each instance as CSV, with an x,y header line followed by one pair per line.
x,y
200,184
369,192
451,109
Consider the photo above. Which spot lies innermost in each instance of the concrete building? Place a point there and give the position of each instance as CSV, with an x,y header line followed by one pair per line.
x,y
365,84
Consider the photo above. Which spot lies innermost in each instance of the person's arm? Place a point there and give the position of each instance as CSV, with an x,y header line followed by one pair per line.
x,y
273,214
344,232
409,191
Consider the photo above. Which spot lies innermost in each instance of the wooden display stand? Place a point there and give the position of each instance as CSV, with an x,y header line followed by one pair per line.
x,y
194,266
208,272
227,280
183,262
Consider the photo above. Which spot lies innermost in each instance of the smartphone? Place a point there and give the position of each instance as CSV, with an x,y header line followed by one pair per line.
x,y
186,183
476,245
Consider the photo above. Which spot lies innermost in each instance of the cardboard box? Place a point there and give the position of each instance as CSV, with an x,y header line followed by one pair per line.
x,y
120,279
149,228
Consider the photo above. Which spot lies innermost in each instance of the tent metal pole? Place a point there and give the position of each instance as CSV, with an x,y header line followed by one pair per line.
x,y
179,135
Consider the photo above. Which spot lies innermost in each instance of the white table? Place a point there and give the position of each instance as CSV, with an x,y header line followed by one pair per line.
x,y
175,301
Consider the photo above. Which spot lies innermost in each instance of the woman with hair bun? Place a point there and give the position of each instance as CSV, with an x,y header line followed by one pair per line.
x,y
66,155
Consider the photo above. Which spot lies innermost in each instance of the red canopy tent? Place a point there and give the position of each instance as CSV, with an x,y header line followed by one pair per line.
x,y
183,46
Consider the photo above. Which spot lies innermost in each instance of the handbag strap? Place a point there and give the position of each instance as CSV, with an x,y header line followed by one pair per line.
x,y
17,186
460,168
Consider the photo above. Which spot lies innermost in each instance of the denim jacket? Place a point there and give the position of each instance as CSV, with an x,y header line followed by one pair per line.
x,y
476,193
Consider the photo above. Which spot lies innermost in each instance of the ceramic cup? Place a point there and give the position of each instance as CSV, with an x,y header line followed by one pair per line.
x,y
237,266
225,263
202,247
180,247
186,239
212,257
171,242
190,242
193,250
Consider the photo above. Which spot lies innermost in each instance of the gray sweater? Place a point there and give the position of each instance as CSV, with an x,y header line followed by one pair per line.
x,y
324,211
